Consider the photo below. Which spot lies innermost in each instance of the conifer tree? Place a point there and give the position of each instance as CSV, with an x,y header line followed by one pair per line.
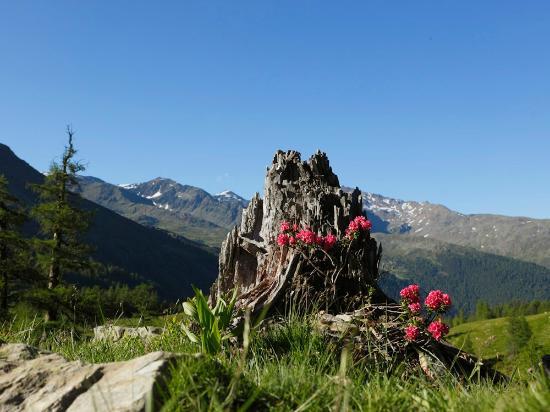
x,y
11,242
519,333
62,222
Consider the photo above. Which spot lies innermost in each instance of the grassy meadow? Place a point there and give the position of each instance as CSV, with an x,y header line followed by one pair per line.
x,y
290,367
489,340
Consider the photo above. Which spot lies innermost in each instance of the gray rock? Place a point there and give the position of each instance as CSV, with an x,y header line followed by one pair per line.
x,y
115,333
34,380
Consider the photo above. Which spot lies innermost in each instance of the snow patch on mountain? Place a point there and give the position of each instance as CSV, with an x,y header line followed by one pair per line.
x,y
127,186
157,194
227,195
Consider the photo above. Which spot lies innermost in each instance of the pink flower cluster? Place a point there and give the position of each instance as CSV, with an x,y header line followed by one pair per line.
x,y
438,329
438,301
308,237
415,308
360,223
291,235
412,333
329,241
410,294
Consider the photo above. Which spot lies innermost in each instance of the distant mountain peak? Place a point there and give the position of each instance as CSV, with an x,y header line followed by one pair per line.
x,y
228,194
127,186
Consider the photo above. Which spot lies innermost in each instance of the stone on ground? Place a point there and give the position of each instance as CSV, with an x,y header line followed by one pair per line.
x,y
35,380
115,333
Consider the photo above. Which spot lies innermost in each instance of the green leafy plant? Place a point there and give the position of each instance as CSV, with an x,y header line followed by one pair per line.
x,y
211,324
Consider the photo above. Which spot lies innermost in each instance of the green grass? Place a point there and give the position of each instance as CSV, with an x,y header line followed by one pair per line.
x,y
290,367
489,340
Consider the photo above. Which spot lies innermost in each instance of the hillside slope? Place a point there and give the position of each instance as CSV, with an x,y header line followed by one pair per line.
x,y
489,340
518,237
146,211
171,263
466,273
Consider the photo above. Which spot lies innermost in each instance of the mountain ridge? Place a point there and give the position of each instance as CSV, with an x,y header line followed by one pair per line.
x,y
523,238
183,209
169,262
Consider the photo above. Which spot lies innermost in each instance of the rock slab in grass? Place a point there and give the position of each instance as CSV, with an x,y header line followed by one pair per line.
x,y
34,380
115,333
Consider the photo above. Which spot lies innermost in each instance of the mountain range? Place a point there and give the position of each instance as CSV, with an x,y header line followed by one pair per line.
x,y
518,237
490,257
163,203
169,234
130,252
198,215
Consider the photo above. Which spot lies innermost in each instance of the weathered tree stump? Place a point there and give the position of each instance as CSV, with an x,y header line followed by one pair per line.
x,y
339,283
307,194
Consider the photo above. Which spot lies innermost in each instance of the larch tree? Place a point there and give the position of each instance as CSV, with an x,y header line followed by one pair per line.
x,y
62,222
12,244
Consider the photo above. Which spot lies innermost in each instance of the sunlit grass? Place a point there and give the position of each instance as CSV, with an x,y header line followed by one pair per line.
x,y
288,367
489,339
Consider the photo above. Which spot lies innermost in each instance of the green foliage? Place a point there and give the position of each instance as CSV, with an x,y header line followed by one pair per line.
x,y
490,337
519,333
290,367
482,311
91,305
459,318
15,259
468,346
212,324
465,273
514,308
61,219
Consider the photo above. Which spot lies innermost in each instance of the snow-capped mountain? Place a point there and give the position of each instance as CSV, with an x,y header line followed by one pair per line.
x,y
228,195
196,214
519,237
223,210
166,204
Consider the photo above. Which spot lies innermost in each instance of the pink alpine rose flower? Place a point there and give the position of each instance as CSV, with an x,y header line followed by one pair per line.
x,y
329,241
415,308
438,301
282,239
292,240
412,333
446,300
357,224
363,223
306,236
285,226
410,294
438,329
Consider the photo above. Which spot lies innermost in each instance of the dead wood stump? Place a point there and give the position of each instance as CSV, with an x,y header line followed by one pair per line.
x,y
307,194
340,283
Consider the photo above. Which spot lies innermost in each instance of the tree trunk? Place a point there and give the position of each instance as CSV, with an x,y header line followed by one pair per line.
x,y
54,275
266,274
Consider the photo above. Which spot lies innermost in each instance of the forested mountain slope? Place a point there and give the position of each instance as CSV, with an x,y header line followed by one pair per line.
x,y
172,263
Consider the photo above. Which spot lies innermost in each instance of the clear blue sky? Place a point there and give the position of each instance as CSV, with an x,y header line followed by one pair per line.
x,y
445,101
